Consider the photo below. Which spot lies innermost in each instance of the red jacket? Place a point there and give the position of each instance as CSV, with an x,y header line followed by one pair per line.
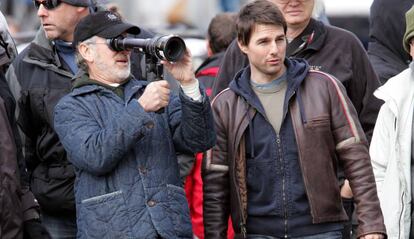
x,y
194,192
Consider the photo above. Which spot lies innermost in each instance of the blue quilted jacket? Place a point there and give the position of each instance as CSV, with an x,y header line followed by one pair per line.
x,y
127,178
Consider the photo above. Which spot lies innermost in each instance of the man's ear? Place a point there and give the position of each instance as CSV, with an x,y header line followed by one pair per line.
x,y
82,10
209,50
242,47
86,52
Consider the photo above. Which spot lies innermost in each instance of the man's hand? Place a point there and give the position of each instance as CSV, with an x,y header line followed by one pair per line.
x,y
155,96
346,191
182,70
373,236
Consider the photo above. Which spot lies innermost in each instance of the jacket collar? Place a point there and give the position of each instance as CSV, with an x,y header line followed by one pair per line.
x,y
312,38
42,49
42,52
213,60
130,89
398,89
296,72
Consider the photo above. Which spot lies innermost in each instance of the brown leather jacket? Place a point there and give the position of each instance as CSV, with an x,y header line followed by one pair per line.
x,y
328,130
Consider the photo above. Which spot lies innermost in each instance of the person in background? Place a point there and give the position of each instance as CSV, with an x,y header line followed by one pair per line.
x,y
281,130
123,151
19,212
391,150
221,32
386,32
38,77
11,218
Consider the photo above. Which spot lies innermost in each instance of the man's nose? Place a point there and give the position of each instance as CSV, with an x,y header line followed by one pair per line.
x,y
42,11
274,48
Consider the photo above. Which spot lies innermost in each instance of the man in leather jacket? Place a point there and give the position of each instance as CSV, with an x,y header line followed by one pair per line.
x,y
281,131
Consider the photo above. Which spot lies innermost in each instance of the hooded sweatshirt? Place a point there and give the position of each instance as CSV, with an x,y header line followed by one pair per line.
x,y
387,27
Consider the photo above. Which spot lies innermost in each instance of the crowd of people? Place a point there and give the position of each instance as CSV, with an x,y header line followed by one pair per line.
x,y
289,129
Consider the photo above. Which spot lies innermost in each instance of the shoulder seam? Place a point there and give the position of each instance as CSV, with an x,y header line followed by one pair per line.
x,y
221,92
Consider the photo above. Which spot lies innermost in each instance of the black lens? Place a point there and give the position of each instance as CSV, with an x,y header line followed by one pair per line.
x,y
48,4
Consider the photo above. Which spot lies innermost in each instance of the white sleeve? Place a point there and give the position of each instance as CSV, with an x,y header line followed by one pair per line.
x,y
193,91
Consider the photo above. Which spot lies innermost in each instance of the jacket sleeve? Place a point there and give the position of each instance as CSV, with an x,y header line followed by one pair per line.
x,y
352,151
233,61
191,123
90,146
381,145
30,207
361,89
215,174
25,121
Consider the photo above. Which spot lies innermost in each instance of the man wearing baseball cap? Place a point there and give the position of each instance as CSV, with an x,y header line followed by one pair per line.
x,y
39,76
122,148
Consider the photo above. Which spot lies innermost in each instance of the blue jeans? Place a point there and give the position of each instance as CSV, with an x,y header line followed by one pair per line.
x,y
60,227
325,235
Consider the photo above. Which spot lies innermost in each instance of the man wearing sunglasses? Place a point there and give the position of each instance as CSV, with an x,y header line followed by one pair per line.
x,y
38,78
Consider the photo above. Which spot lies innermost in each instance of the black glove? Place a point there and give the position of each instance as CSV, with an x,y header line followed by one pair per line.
x,y
33,229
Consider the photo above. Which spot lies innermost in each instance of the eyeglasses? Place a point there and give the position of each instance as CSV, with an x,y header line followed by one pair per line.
x,y
286,1
48,4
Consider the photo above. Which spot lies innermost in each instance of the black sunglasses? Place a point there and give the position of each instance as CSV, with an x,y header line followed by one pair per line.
x,y
48,4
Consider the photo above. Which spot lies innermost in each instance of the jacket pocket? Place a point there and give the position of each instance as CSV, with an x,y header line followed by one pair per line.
x,y
52,185
320,121
104,216
179,211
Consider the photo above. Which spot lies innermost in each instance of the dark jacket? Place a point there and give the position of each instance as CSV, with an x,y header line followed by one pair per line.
x,y
11,213
38,78
326,130
19,208
278,205
385,49
329,49
127,179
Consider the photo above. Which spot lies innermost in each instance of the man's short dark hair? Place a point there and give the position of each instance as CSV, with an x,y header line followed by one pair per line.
x,y
257,12
221,31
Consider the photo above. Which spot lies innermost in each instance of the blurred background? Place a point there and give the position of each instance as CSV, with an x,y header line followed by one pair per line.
x,y
187,18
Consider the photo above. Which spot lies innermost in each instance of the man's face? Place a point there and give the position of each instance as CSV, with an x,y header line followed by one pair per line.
x,y
109,66
296,12
412,47
59,22
266,52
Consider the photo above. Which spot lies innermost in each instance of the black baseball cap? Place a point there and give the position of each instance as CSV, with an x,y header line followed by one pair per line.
x,y
105,24
78,3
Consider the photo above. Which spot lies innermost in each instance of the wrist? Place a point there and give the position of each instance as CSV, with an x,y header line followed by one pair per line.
x,y
188,80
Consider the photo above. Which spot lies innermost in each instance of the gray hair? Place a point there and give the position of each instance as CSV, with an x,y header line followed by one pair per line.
x,y
80,61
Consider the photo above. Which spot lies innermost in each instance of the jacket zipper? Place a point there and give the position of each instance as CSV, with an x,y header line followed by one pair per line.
x,y
283,171
283,185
